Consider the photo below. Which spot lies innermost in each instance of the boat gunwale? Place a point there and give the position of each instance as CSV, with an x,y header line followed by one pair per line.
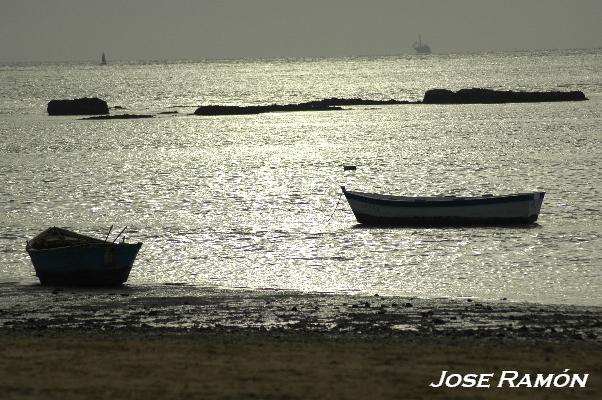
x,y
80,240
91,244
437,201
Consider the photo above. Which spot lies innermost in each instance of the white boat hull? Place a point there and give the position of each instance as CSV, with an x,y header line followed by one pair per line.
x,y
376,209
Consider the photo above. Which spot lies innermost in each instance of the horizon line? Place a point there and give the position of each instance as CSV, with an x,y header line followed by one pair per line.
x,y
307,57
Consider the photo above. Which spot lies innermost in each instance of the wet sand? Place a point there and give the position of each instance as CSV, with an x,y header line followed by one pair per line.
x,y
176,341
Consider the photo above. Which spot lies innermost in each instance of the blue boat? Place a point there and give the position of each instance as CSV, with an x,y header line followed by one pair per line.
x,y
485,210
61,257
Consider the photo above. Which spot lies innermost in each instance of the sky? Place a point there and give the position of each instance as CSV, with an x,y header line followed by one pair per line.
x,y
80,30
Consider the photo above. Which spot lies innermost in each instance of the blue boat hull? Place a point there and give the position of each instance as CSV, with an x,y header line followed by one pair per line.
x,y
95,264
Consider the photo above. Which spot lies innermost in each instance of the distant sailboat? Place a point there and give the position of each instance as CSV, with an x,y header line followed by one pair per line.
x,y
103,60
421,48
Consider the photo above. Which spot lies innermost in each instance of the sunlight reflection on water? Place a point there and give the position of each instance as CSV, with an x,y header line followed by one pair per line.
x,y
244,201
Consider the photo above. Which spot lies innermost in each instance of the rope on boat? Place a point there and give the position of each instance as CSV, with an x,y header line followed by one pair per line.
x,y
335,208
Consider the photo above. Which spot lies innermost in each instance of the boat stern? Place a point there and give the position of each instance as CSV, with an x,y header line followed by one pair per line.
x,y
535,205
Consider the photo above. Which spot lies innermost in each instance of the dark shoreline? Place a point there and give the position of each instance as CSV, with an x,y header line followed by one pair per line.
x,y
189,309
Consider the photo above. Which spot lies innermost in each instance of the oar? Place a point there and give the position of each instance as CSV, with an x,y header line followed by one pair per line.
x,y
110,229
116,237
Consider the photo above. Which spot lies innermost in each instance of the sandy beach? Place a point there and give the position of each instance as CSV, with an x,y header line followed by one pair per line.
x,y
177,341
213,365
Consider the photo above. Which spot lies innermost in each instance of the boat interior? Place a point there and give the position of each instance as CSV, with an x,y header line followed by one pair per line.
x,y
57,237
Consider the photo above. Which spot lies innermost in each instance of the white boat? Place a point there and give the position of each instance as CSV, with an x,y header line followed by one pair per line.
x,y
380,209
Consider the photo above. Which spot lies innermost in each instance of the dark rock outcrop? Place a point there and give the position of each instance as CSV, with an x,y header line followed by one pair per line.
x,y
241,110
489,96
318,105
119,116
335,101
85,106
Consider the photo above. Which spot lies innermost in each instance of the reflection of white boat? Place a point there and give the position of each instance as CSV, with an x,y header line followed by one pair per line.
x,y
421,48
511,209
103,59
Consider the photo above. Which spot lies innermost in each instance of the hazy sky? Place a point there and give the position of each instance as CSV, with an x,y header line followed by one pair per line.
x,y
56,30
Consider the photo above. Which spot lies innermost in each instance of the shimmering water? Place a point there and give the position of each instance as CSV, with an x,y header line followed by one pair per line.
x,y
244,201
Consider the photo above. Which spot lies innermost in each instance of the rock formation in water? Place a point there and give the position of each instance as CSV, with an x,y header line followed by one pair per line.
x,y
489,96
119,116
318,105
85,106
432,96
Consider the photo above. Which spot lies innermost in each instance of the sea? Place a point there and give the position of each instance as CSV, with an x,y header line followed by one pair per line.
x,y
253,202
